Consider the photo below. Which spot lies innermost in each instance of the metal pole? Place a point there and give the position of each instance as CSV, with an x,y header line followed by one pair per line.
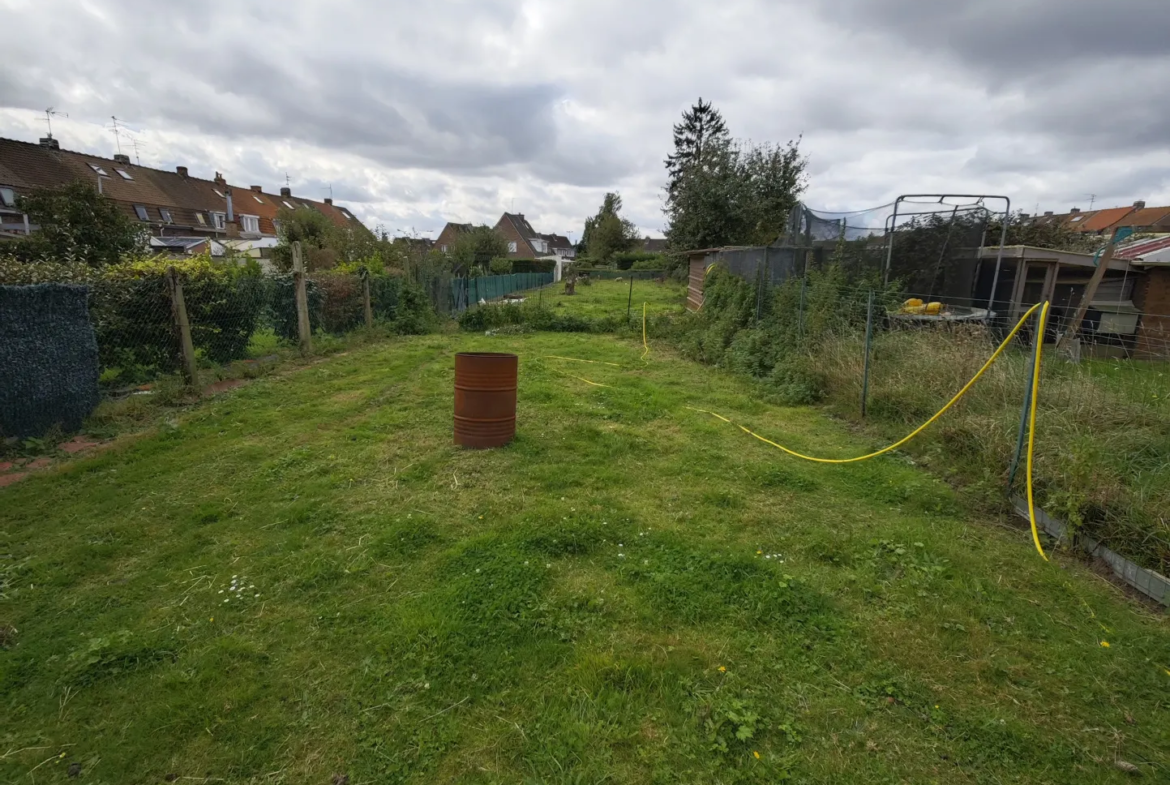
x,y
868,343
1037,338
800,312
630,301
999,257
890,244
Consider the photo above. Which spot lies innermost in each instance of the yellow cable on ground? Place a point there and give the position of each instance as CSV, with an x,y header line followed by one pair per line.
x,y
1032,423
579,360
1006,342
582,379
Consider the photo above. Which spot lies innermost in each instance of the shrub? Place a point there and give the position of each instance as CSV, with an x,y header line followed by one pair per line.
x,y
130,307
500,266
638,260
340,309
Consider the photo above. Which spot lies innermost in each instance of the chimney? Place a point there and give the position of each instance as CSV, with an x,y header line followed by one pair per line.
x,y
286,192
1025,216
1047,213
219,180
231,216
257,189
122,158
49,143
182,170
328,200
1074,211
1139,205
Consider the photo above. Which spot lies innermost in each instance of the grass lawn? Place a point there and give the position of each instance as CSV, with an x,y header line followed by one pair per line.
x,y
304,578
609,298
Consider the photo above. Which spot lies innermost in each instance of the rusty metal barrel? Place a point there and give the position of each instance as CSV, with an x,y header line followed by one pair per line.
x,y
485,399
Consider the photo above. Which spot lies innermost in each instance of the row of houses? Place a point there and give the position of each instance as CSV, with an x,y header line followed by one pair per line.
x,y
183,214
1137,217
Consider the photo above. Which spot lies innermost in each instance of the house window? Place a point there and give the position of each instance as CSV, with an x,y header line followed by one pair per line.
x,y
348,217
217,193
258,199
7,197
276,224
200,219
250,223
541,246
123,174
1078,218
512,247
140,211
289,206
99,170
443,248
218,220
166,215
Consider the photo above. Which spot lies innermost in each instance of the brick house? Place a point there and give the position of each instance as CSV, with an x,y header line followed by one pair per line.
x,y
171,205
446,239
524,242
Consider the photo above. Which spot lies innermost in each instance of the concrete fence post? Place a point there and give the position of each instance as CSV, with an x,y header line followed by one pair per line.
x,y
367,307
183,328
304,328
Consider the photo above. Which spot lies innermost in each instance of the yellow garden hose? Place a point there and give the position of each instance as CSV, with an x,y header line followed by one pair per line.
x,y
1032,422
995,356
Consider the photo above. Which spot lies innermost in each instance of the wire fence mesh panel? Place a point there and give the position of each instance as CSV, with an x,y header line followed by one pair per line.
x,y
49,359
339,307
134,322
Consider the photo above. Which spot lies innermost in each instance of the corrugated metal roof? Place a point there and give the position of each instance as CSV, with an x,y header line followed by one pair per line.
x,y
1140,248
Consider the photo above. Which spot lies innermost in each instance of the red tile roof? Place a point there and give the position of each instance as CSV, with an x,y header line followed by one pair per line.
x,y
24,166
1103,219
1147,216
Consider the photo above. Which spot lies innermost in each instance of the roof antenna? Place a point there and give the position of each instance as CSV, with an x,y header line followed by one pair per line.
x,y
1092,198
50,113
287,182
117,134
136,145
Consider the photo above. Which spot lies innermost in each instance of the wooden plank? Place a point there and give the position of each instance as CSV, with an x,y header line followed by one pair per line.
x,y
1090,291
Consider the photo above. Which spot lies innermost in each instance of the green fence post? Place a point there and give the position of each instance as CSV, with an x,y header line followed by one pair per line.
x,y
868,343
630,300
1022,434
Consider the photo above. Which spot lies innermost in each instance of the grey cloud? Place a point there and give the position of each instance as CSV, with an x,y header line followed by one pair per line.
x,y
1017,38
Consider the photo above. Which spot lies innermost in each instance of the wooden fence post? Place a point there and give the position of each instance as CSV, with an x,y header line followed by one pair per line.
x,y
183,325
366,307
304,330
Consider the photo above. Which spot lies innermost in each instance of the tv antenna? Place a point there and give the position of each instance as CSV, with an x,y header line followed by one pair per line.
x,y
137,144
1092,198
118,131
50,113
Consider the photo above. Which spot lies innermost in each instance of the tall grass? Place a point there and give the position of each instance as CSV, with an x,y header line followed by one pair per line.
x,y
1102,458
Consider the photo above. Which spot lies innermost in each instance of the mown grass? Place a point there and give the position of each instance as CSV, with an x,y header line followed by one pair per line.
x,y
304,578
610,298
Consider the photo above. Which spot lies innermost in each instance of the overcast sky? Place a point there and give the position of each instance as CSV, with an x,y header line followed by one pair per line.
x,y
419,113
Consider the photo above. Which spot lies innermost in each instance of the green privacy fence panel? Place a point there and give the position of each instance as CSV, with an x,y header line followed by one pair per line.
x,y
469,291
